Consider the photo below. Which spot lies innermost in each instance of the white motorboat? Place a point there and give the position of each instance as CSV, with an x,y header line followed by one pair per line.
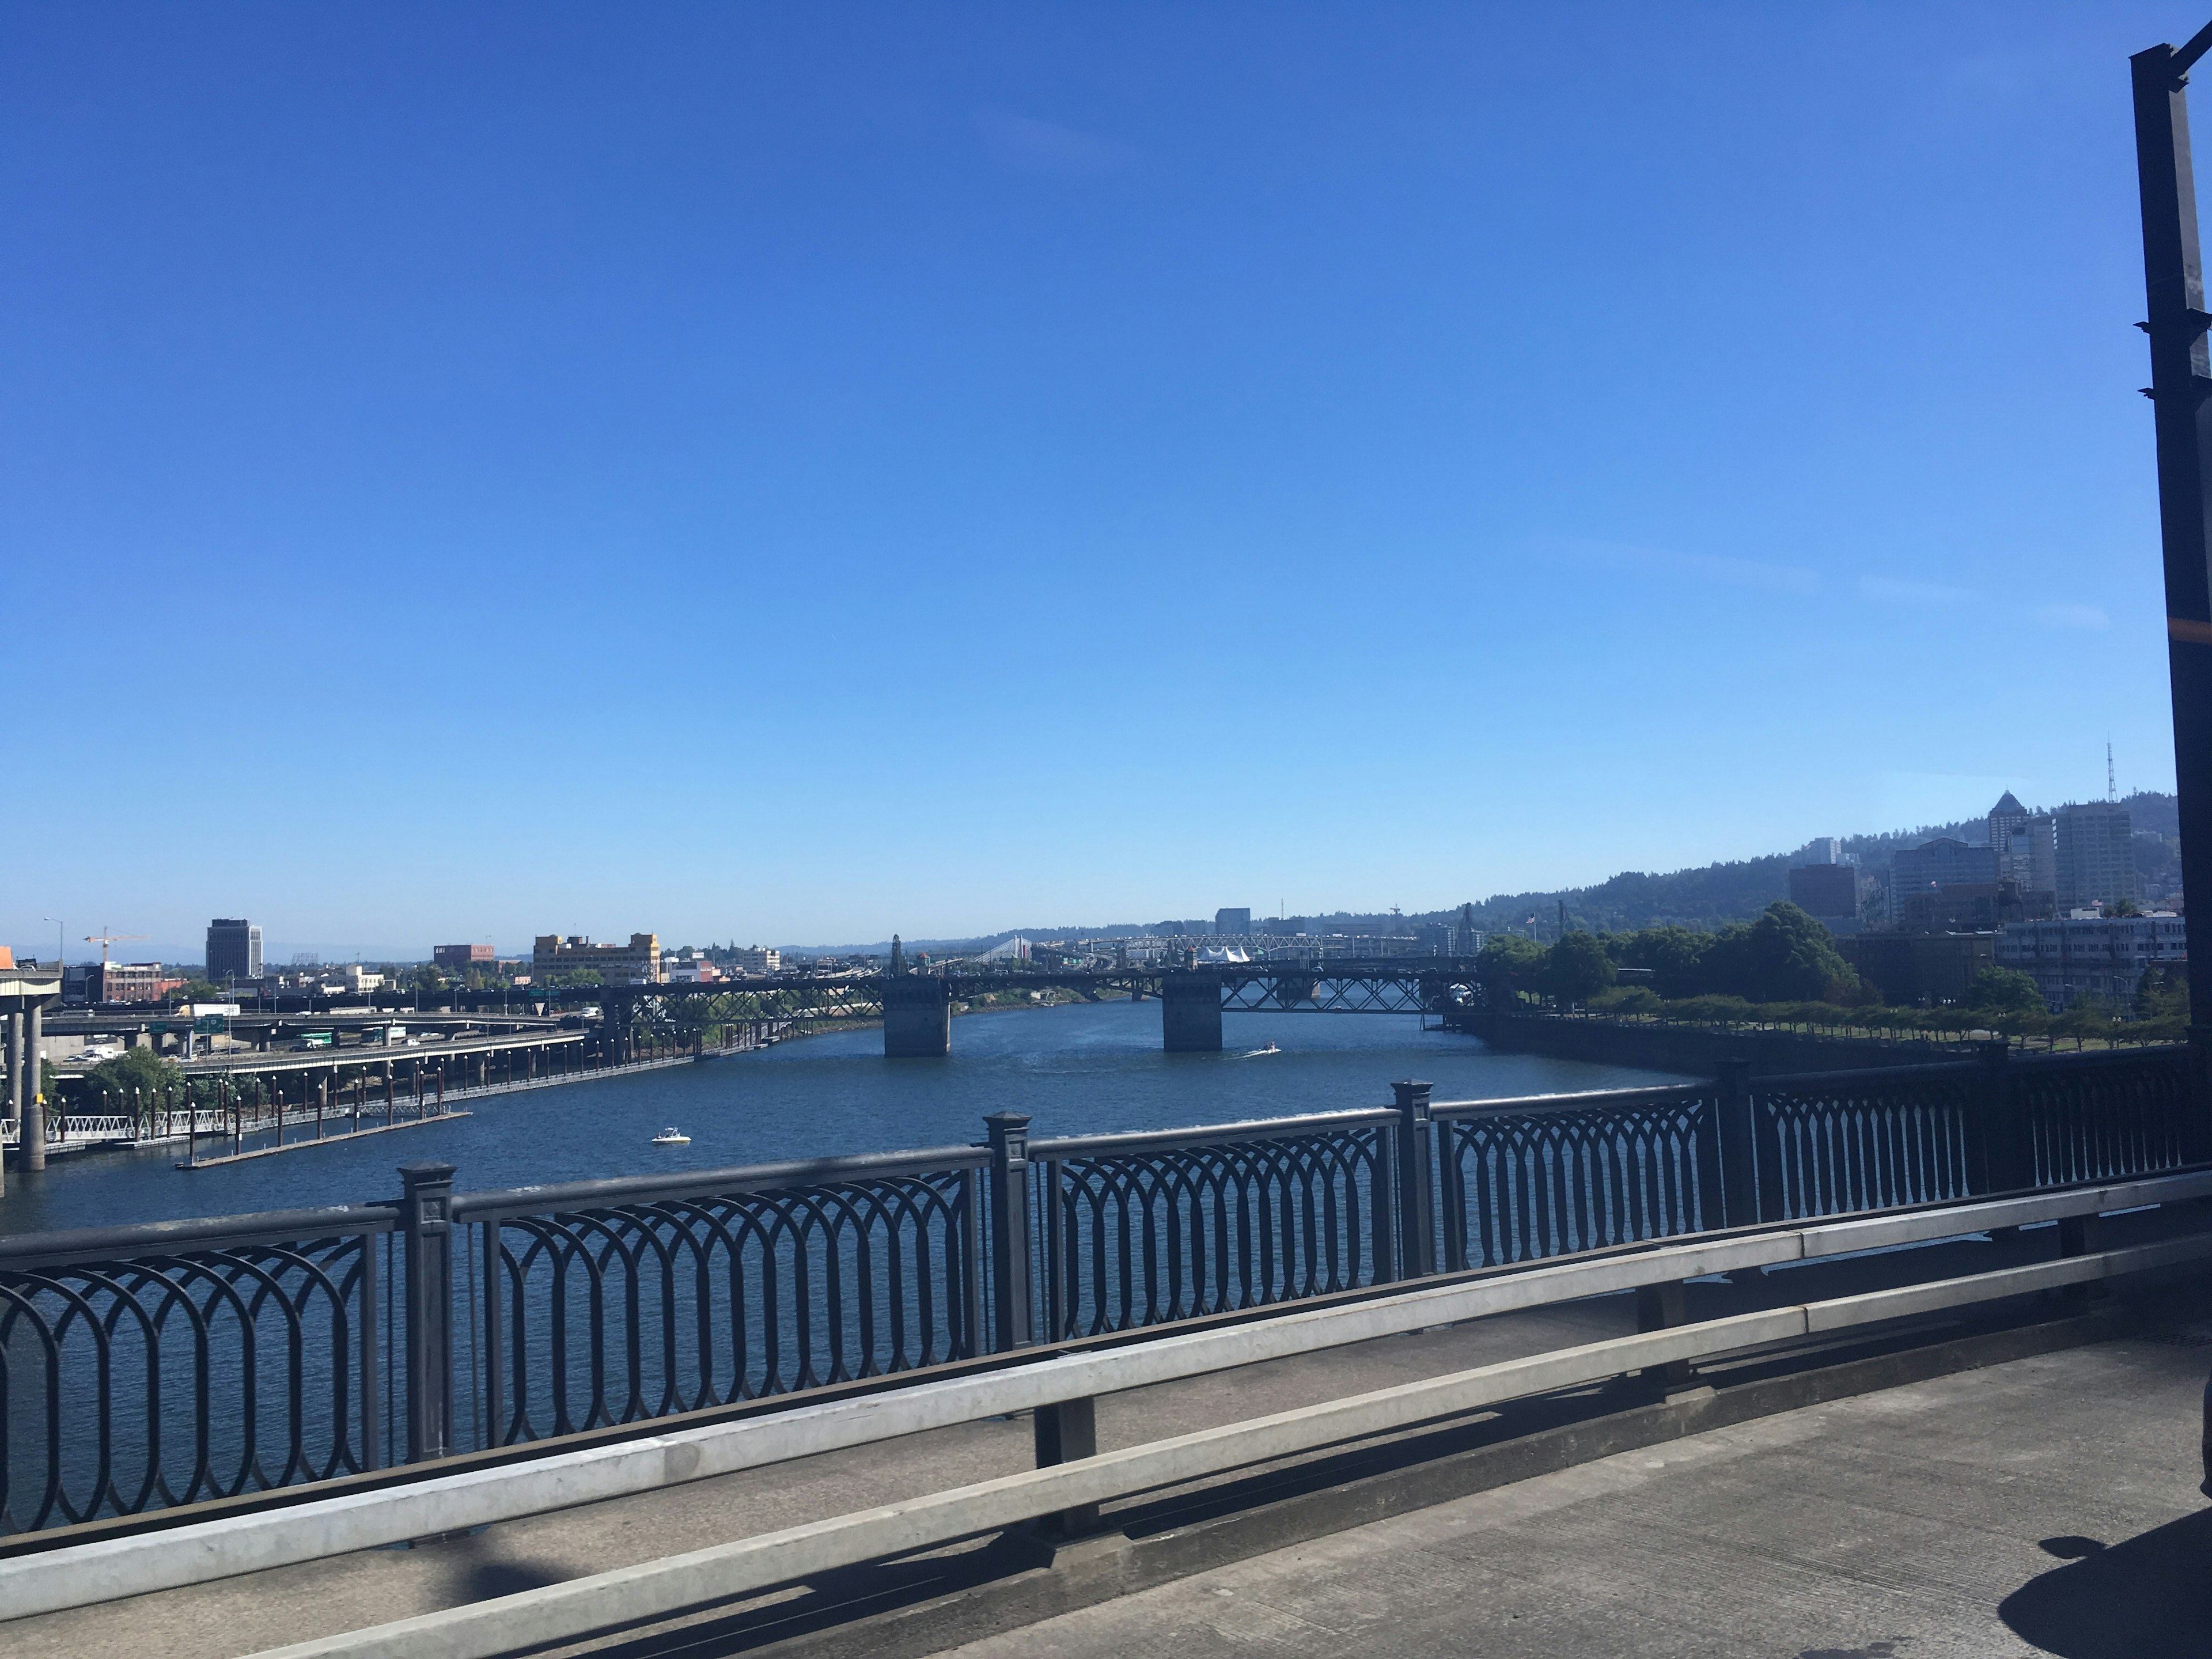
x,y
1261,1053
671,1136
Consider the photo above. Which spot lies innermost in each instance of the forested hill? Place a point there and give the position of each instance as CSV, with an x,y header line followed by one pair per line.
x,y
1733,892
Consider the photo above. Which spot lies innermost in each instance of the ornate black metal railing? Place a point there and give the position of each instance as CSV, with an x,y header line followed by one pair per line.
x,y
1134,1230
142,1367
2094,1117
1838,1141
614,1301
1550,1175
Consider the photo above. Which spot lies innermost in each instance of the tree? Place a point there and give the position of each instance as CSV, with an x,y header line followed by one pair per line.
x,y
1787,956
2123,908
1675,956
1507,964
134,1078
1575,969
2004,991
2162,993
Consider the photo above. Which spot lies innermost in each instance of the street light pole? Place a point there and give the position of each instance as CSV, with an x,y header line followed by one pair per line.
x,y
2180,391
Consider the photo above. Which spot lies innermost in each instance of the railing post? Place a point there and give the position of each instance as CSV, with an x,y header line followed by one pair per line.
x,y
2008,1137
1010,1227
1416,1210
1736,1128
426,1212
2196,1111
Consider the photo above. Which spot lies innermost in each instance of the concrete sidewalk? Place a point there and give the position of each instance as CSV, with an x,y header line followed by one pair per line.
x,y
2049,1505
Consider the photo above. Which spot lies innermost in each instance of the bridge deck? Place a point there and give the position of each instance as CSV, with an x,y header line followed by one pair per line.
x,y
1818,1528
2045,1505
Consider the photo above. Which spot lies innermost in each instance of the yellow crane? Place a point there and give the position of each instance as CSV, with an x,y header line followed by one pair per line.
x,y
103,939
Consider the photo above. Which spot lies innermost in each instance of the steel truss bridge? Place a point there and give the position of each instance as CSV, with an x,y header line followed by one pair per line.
x,y
914,1008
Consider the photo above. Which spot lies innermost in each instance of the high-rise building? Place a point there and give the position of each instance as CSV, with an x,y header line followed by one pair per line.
x,y
1827,891
2096,857
1237,921
234,950
1822,849
1934,865
2026,847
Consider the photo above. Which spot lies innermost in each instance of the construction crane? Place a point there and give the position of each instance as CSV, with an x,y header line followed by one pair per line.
x,y
103,939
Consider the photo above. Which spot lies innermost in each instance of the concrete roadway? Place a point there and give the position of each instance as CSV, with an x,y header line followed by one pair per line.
x,y
2047,1505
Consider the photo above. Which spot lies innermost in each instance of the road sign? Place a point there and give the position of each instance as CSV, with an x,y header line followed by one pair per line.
x,y
210,1025
158,1027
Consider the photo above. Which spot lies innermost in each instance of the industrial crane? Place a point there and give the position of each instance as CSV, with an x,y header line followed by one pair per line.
x,y
103,939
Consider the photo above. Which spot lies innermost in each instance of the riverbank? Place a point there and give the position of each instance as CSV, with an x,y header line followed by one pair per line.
x,y
1694,1050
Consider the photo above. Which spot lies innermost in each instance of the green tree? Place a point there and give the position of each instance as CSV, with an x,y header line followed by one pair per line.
x,y
2004,991
2123,907
135,1079
2162,993
1575,969
1787,956
1675,956
1507,965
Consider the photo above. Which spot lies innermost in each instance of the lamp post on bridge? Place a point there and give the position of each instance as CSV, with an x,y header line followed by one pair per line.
x,y
2181,395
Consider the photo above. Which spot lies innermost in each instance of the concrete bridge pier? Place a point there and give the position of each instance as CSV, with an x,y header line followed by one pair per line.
x,y
1190,1011
917,1017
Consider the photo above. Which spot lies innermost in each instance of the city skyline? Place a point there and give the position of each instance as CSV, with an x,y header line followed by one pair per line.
x,y
793,476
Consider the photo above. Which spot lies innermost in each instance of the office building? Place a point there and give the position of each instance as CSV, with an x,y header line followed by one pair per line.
x,y
1919,969
2074,956
755,960
1236,921
2026,849
459,958
637,963
1822,849
128,981
1922,871
1827,891
2096,856
234,950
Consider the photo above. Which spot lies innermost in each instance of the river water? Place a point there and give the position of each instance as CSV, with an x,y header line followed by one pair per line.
x,y
1083,1069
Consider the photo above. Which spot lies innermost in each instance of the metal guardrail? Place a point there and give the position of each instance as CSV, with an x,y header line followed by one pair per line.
x,y
509,1316
311,1528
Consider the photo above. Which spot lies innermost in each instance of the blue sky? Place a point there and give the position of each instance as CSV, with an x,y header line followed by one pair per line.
x,y
797,473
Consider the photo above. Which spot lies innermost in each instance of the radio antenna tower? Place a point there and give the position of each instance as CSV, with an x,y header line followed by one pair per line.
x,y
2111,789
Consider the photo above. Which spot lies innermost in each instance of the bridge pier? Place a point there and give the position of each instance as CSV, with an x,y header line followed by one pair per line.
x,y
917,1017
1190,1011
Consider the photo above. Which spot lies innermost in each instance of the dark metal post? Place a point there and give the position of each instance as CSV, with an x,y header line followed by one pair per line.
x,y
1064,1431
1736,1128
2180,386
1010,1226
1416,1210
426,1219
2007,1140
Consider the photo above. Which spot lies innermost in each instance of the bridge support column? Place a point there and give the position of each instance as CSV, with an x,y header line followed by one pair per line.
x,y
15,1095
34,1110
917,1017
1190,1012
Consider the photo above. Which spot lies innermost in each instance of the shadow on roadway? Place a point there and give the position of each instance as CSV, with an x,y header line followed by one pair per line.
x,y
2149,1595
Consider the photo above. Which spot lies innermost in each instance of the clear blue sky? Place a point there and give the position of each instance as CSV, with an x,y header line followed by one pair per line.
x,y
797,473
